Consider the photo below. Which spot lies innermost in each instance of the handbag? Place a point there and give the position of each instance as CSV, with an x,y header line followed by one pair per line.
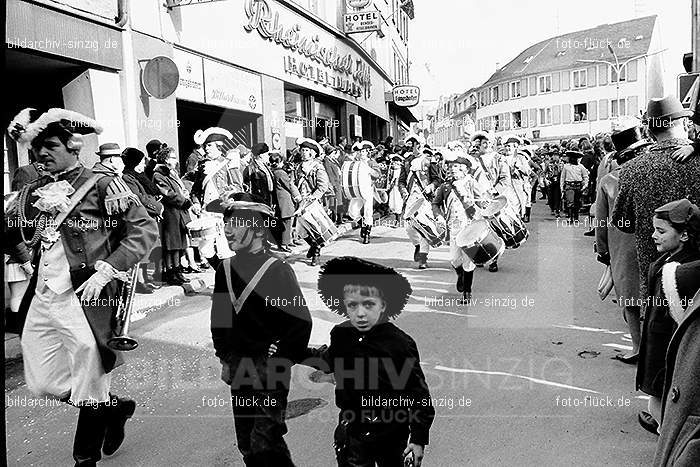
x,y
605,284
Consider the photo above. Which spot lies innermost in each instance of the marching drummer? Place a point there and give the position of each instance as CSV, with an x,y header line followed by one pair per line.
x,y
361,208
457,201
414,185
313,185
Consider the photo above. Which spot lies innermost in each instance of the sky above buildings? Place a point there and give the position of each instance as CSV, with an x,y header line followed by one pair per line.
x,y
458,44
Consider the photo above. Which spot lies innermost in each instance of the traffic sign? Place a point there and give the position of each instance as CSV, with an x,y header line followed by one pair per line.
x,y
685,87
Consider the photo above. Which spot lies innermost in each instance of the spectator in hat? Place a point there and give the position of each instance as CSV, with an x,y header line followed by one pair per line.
x,y
149,195
152,148
655,178
573,183
676,235
616,248
173,228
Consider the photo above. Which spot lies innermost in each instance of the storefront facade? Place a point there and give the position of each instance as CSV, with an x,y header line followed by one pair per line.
x,y
273,71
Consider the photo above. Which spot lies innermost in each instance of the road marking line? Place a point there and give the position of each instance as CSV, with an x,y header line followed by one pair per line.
x,y
618,346
503,373
581,328
442,312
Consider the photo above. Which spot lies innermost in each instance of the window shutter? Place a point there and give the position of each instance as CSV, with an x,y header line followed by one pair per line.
x,y
533,117
556,82
603,109
533,85
556,115
591,76
592,111
566,113
565,80
602,75
523,87
501,92
632,70
506,120
506,93
633,106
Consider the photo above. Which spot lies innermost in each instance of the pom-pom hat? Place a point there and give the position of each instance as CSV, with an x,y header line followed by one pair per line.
x,y
349,270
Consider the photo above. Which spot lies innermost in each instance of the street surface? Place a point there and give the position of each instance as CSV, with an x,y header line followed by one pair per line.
x,y
522,377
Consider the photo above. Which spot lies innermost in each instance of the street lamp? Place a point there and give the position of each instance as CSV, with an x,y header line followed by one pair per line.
x,y
618,68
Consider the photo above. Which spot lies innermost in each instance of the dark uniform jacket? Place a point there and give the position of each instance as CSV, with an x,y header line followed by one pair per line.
x,y
148,198
657,327
255,177
381,363
90,234
679,442
275,311
25,174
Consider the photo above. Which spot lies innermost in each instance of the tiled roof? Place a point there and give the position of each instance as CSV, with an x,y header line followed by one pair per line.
x,y
563,52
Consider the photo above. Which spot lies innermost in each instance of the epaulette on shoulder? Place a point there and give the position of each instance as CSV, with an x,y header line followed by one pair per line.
x,y
118,196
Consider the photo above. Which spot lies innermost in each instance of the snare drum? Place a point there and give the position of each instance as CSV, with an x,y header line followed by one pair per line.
x,y
356,181
505,222
206,227
480,243
315,221
419,215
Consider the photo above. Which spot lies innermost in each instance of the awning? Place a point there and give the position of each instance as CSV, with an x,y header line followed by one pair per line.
x,y
404,113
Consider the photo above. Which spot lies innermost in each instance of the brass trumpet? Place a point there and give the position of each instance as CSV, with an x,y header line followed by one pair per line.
x,y
121,341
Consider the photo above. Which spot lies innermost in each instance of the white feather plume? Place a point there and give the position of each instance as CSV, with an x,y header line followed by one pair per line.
x,y
56,115
20,123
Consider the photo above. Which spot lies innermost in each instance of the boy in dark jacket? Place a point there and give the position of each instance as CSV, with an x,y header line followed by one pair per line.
x,y
384,401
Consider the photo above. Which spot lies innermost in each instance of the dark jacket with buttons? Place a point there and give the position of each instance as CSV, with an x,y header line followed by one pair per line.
x,y
89,234
657,327
679,442
374,370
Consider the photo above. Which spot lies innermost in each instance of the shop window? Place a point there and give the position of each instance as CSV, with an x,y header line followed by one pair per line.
x,y
580,112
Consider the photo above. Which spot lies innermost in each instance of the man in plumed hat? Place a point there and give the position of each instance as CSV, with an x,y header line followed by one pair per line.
x,y
359,208
655,178
219,171
257,302
366,354
77,257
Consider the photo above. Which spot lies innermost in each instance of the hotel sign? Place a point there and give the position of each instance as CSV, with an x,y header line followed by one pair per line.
x,y
406,95
362,21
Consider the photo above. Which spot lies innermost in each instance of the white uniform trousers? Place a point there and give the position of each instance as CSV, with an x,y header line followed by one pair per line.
x,y
457,255
60,352
361,208
417,239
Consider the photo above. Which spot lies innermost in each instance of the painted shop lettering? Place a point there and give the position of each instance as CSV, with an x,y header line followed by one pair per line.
x,y
261,18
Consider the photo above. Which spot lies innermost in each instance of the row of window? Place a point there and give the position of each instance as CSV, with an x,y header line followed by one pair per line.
x,y
543,84
400,70
565,113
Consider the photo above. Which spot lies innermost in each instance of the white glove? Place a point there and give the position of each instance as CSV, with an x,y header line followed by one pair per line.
x,y
27,268
222,249
91,288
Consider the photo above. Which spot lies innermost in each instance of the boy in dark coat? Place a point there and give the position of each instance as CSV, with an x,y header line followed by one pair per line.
x,y
676,231
257,301
384,401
